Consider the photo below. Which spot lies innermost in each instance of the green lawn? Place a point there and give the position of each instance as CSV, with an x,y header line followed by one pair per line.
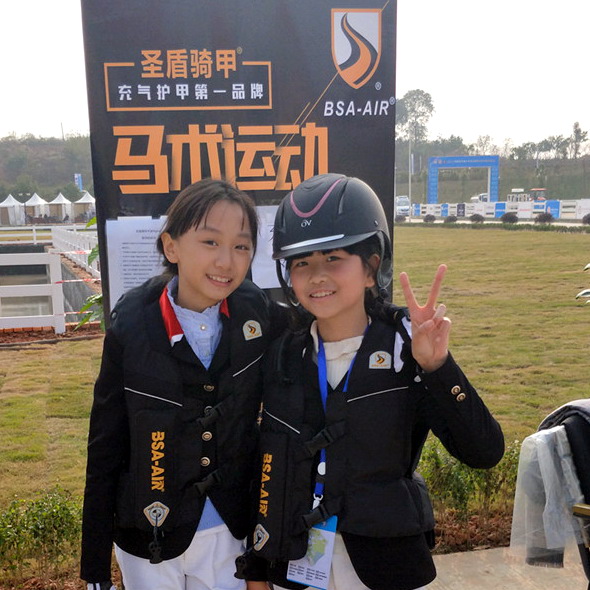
x,y
45,399
518,333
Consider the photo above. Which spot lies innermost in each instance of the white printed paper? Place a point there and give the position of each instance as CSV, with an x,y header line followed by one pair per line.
x,y
133,257
264,272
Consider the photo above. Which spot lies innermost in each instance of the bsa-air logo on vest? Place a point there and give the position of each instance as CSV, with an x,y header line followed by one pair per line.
x,y
156,513
261,536
356,43
380,360
252,330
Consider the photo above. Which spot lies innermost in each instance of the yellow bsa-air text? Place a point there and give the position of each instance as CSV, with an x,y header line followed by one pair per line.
x,y
158,446
266,469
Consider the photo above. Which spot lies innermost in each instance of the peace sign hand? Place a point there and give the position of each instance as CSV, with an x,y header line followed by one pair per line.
x,y
430,327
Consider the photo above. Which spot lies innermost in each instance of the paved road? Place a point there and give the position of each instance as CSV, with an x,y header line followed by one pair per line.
x,y
496,569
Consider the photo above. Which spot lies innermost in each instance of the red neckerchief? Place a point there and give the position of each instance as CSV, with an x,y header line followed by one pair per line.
x,y
173,327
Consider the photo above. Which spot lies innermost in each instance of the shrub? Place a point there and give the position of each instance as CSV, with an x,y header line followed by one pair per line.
x,y
13,540
454,486
53,524
544,217
41,535
399,219
509,217
451,219
429,218
477,218
586,219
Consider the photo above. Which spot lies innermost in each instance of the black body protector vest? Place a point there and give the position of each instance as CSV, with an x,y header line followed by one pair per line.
x,y
367,432
193,432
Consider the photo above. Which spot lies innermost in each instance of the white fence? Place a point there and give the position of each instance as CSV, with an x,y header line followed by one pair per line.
x,y
76,245
52,290
34,234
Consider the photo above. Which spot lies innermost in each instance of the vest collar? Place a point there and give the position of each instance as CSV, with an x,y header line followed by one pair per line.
x,y
171,323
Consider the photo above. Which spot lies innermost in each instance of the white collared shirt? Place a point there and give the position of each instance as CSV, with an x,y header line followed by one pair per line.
x,y
201,329
339,354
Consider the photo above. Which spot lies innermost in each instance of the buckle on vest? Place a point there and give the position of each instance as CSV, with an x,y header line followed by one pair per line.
x,y
211,480
211,417
319,514
324,438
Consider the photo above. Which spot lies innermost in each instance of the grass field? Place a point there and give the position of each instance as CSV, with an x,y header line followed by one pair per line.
x,y
518,333
45,399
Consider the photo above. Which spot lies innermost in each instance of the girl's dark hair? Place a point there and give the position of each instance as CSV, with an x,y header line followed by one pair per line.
x,y
193,204
364,250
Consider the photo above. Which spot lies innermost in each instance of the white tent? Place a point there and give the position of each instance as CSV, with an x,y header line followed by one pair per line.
x,y
84,208
12,212
59,208
36,207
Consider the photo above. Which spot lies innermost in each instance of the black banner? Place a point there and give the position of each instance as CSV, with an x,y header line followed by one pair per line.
x,y
265,93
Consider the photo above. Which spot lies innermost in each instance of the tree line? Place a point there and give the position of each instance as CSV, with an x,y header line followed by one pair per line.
x,y
415,108
30,164
44,165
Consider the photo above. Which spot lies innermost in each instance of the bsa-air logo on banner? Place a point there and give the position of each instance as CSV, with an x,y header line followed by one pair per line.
x,y
356,44
173,100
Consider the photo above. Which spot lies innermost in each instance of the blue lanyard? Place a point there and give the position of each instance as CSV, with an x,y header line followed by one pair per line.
x,y
318,492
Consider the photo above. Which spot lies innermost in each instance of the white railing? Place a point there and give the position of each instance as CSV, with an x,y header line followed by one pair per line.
x,y
52,289
32,234
76,245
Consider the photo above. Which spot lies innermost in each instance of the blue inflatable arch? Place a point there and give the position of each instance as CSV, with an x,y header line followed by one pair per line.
x,y
492,163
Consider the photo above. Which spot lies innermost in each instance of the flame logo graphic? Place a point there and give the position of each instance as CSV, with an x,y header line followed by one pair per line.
x,y
356,50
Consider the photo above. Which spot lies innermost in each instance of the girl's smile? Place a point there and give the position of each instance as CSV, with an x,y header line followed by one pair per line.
x,y
321,294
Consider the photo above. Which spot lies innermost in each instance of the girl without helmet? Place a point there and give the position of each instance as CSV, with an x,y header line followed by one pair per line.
x,y
350,399
173,426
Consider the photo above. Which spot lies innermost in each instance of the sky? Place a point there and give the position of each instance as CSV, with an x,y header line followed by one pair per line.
x,y
511,69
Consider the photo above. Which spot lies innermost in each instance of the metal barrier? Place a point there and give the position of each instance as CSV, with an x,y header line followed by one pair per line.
x,y
525,210
52,289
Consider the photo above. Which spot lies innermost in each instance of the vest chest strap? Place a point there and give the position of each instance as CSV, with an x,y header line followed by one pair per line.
x,y
319,514
212,415
211,480
321,440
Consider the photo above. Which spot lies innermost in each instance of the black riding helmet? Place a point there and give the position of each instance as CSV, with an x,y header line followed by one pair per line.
x,y
331,211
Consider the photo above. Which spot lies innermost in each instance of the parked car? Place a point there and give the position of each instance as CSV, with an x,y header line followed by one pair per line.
x,y
402,205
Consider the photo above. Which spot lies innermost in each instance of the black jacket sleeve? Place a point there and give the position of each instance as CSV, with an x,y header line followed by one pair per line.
x,y
453,410
107,451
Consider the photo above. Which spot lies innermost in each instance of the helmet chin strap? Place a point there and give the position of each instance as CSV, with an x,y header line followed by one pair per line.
x,y
383,293
384,274
287,290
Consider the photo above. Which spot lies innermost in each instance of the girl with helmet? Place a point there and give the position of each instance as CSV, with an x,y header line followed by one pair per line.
x,y
350,399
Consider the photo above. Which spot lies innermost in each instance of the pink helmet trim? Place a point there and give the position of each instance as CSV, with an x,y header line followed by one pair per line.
x,y
300,213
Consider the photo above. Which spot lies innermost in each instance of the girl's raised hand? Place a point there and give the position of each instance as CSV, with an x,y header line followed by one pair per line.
x,y
430,327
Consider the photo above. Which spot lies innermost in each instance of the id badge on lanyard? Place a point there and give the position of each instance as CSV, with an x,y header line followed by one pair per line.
x,y
313,569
